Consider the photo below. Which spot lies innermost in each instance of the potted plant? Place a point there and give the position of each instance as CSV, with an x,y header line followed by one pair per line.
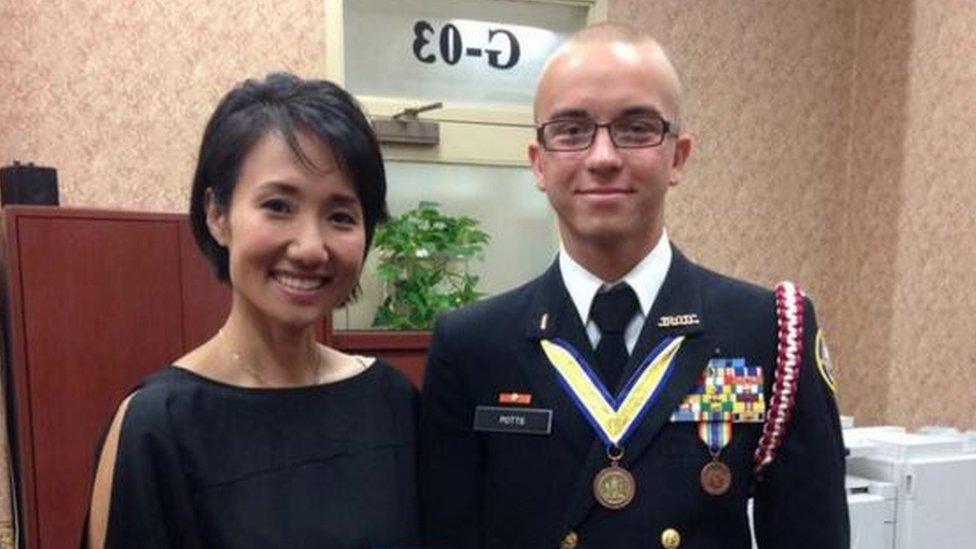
x,y
423,262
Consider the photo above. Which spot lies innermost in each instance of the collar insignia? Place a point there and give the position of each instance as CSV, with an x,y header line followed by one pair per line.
x,y
669,321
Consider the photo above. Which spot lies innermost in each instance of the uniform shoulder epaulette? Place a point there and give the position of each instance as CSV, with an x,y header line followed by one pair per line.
x,y
789,360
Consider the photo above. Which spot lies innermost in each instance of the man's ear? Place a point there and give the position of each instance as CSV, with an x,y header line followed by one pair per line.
x,y
682,150
216,219
535,157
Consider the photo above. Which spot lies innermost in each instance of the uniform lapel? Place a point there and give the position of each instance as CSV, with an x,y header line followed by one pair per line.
x,y
680,295
553,315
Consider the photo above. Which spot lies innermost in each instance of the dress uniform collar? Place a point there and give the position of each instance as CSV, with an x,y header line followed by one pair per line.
x,y
551,311
645,278
677,309
551,315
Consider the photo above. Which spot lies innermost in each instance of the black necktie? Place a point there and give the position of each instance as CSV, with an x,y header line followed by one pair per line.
x,y
612,311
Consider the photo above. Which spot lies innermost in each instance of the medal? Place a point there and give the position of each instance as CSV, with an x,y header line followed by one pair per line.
x,y
613,486
715,428
716,477
613,417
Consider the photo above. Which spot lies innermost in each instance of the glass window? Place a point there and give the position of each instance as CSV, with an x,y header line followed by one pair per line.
x,y
453,50
505,200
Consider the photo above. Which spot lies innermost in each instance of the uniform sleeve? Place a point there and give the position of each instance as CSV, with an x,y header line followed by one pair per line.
x,y
150,503
801,501
451,463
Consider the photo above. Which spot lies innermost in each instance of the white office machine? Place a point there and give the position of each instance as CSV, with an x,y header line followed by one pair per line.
x,y
910,490
871,504
934,479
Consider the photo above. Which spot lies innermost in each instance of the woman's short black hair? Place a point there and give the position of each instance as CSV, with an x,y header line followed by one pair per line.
x,y
286,104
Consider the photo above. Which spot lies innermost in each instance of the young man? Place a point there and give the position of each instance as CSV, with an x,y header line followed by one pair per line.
x,y
627,397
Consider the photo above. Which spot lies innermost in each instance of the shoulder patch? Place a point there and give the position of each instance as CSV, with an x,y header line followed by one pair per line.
x,y
824,364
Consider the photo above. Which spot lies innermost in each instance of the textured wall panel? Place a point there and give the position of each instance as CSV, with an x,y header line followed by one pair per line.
x,y
115,94
864,342
934,323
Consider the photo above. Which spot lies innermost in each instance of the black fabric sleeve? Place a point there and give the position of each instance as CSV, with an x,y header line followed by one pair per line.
x,y
150,505
451,463
801,502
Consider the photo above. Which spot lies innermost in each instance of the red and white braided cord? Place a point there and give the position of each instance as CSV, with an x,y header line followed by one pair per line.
x,y
789,316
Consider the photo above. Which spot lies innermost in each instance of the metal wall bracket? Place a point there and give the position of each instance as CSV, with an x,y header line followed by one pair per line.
x,y
404,128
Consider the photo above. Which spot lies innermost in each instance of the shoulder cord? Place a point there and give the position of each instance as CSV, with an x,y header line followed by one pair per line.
x,y
789,317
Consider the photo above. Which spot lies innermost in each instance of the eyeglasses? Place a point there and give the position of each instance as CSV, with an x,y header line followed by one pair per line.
x,y
628,132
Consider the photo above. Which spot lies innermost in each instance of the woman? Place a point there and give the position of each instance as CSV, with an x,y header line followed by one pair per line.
x,y
261,437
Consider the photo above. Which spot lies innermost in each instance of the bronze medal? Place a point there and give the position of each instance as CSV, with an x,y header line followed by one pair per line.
x,y
614,487
716,477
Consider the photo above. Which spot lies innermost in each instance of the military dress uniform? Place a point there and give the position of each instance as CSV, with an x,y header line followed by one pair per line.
x,y
508,456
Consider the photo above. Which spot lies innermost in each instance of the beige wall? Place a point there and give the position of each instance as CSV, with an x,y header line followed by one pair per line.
x,y
834,142
115,93
933,343
864,294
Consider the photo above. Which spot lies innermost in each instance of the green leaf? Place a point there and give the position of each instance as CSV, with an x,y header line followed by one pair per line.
x,y
423,261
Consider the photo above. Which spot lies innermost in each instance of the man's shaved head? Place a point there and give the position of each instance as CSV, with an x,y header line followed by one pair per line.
x,y
620,37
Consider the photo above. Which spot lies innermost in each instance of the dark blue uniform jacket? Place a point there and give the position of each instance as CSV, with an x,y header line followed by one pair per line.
x,y
503,489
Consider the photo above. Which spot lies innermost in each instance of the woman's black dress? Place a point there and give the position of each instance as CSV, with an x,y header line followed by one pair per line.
x,y
205,464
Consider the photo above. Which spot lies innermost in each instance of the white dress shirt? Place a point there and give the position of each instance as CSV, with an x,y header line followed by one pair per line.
x,y
645,278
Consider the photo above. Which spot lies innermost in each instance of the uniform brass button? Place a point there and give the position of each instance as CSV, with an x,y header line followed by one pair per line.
x,y
670,539
570,541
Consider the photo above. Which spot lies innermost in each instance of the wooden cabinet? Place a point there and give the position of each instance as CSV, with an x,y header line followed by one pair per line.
x,y
96,300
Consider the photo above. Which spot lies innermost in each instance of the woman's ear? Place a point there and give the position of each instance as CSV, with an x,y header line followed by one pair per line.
x,y
216,219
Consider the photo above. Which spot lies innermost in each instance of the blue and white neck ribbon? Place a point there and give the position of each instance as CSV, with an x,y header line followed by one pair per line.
x,y
613,418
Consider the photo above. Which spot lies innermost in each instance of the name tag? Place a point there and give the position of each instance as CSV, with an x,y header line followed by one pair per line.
x,y
505,419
